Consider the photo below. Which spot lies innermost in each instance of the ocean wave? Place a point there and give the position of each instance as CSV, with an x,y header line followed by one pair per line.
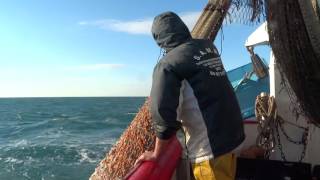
x,y
86,156
48,162
64,154
30,123
12,160
19,117
59,138
18,143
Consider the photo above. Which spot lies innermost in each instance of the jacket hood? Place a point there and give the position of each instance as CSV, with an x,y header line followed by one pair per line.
x,y
169,31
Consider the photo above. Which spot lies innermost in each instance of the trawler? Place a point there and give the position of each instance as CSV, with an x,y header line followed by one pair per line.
x,y
279,101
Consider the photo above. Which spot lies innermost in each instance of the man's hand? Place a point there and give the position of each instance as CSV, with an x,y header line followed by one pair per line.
x,y
160,147
146,156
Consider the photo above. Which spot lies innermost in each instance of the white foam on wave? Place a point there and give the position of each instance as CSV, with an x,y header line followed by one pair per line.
x,y
84,153
51,135
76,118
60,117
56,119
19,143
108,141
19,117
27,160
131,113
111,120
25,174
52,176
13,160
30,160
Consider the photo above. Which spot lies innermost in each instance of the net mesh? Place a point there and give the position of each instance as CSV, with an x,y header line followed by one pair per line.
x,y
295,56
246,12
136,139
293,46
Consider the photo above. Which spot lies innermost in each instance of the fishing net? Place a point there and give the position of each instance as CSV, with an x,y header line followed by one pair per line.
x,y
295,56
231,11
294,35
246,12
211,19
135,140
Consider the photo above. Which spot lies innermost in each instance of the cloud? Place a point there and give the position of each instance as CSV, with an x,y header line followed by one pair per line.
x,y
132,27
93,67
137,26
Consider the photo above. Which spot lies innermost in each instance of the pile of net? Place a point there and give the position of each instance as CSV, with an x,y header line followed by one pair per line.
x,y
136,139
294,38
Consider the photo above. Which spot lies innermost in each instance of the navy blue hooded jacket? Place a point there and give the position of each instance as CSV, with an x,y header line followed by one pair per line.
x,y
198,62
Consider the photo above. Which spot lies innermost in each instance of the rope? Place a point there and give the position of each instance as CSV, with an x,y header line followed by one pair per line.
x,y
269,123
266,115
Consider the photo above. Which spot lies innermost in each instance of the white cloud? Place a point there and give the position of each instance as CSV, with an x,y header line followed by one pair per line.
x,y
92,67
137,26
190,18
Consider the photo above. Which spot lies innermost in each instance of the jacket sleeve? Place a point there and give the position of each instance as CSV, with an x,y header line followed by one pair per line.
x,y
165,93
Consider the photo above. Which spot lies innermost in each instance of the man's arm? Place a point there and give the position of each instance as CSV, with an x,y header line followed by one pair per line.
x,y
165,94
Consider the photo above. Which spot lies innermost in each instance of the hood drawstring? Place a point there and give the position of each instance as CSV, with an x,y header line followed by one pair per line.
x,y
161,54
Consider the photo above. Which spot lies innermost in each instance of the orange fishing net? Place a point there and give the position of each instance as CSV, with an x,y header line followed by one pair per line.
x,y
136,139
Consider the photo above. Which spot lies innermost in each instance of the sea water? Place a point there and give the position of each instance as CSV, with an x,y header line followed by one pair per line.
x,y
60,138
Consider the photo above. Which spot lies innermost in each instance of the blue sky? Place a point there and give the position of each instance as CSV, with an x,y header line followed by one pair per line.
x,y
92,48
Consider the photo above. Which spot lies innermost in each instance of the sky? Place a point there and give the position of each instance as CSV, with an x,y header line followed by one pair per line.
x,y
59,48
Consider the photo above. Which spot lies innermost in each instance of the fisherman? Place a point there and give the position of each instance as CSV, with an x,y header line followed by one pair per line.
x,y
190,89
